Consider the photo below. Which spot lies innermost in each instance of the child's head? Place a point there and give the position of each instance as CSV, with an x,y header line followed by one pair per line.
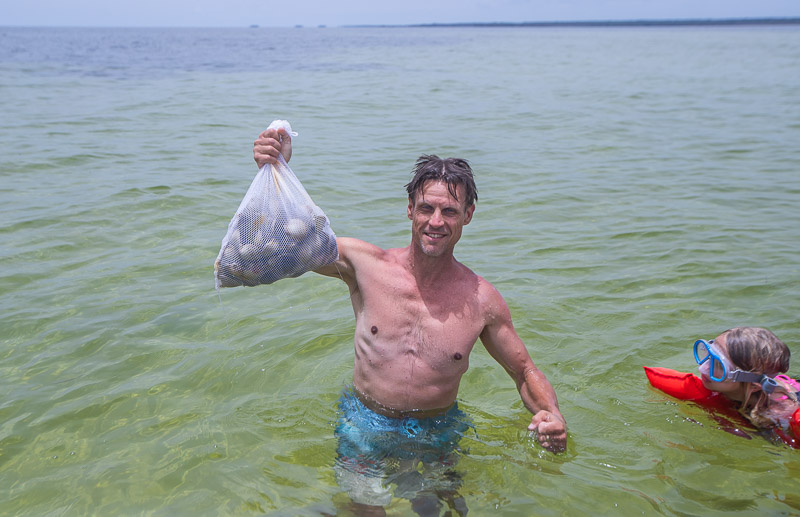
x,y
756,350
752,350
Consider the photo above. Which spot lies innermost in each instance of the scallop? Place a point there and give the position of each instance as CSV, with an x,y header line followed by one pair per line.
x,y
320,223
271,247
283,265
258,240
307,252
234,269
296,229
248,252
229,256
250,277
227,278
235,239
319,218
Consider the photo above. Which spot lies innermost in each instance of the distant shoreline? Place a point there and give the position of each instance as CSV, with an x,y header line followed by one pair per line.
x,y
688,22
609,23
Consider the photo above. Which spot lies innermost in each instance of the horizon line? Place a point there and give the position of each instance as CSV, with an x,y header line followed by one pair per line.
x,y
786,20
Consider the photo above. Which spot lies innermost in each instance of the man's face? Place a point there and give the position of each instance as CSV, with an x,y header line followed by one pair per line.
x,y
437,218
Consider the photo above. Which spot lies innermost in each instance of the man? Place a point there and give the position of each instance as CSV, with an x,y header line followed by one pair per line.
x,y
419,311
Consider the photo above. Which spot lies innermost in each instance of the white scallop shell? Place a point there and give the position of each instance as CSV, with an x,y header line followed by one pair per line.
x,y
296,229
248,252
235,239
270,247
307,252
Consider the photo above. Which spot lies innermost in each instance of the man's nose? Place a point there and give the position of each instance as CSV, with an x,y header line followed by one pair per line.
x,y
436,218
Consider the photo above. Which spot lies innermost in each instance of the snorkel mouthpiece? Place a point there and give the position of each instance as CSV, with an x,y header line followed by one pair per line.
x,y
768,384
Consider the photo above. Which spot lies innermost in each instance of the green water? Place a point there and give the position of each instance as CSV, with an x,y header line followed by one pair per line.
x,y
639,189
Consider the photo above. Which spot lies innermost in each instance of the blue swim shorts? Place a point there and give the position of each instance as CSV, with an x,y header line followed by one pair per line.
x,y
376,452
365,434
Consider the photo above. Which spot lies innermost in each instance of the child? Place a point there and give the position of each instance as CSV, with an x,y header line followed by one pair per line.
x,y
742,364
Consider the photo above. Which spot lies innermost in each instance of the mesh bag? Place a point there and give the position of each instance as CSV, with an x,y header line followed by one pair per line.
x,y
277,232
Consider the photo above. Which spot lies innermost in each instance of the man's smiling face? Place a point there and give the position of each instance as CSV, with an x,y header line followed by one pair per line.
x,y
437,218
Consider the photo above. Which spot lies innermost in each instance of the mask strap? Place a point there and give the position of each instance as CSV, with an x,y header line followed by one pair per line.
x,y
741,376
768,384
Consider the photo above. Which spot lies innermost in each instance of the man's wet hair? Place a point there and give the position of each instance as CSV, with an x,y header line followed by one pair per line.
x,y
453,171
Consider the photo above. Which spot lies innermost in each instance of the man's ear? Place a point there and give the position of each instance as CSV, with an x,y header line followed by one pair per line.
x,y
410,209
468,215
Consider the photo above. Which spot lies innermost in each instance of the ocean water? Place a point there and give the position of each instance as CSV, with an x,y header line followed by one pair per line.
x,y
639,189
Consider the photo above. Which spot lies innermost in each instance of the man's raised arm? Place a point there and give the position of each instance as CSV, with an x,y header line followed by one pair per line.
x,y
266,148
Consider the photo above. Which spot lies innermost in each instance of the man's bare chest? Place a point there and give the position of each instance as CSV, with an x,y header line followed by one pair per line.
x,y
432,315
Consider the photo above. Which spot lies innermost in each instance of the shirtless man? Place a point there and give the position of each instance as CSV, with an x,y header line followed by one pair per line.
x,y
419,311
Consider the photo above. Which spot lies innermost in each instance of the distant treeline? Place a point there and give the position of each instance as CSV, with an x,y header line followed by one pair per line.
x,y
613,23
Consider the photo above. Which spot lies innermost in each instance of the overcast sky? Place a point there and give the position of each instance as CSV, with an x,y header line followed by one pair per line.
x,y
288,13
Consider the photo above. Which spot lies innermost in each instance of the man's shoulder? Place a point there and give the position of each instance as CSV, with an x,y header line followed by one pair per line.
x,y
489,296
351,245
355,256
362,253
469,274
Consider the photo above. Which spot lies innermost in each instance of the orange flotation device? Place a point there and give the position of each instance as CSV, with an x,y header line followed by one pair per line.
x,y
684,386
687,386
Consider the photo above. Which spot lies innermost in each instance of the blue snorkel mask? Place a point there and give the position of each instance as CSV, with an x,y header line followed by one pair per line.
x,y
718,368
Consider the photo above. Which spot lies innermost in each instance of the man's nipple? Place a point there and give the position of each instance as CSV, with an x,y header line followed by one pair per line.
x,y
374,330
457,356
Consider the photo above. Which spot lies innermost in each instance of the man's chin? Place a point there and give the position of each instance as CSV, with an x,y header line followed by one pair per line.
x,y
432,251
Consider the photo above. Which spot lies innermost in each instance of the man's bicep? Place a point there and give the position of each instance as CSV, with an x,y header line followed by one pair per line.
x,y
349,250
502,341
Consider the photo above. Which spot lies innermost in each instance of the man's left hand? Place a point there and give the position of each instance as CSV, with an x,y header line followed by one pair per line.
x,y
551,429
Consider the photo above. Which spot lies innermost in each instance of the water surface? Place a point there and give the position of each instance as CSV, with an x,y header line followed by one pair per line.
x,y
638,189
